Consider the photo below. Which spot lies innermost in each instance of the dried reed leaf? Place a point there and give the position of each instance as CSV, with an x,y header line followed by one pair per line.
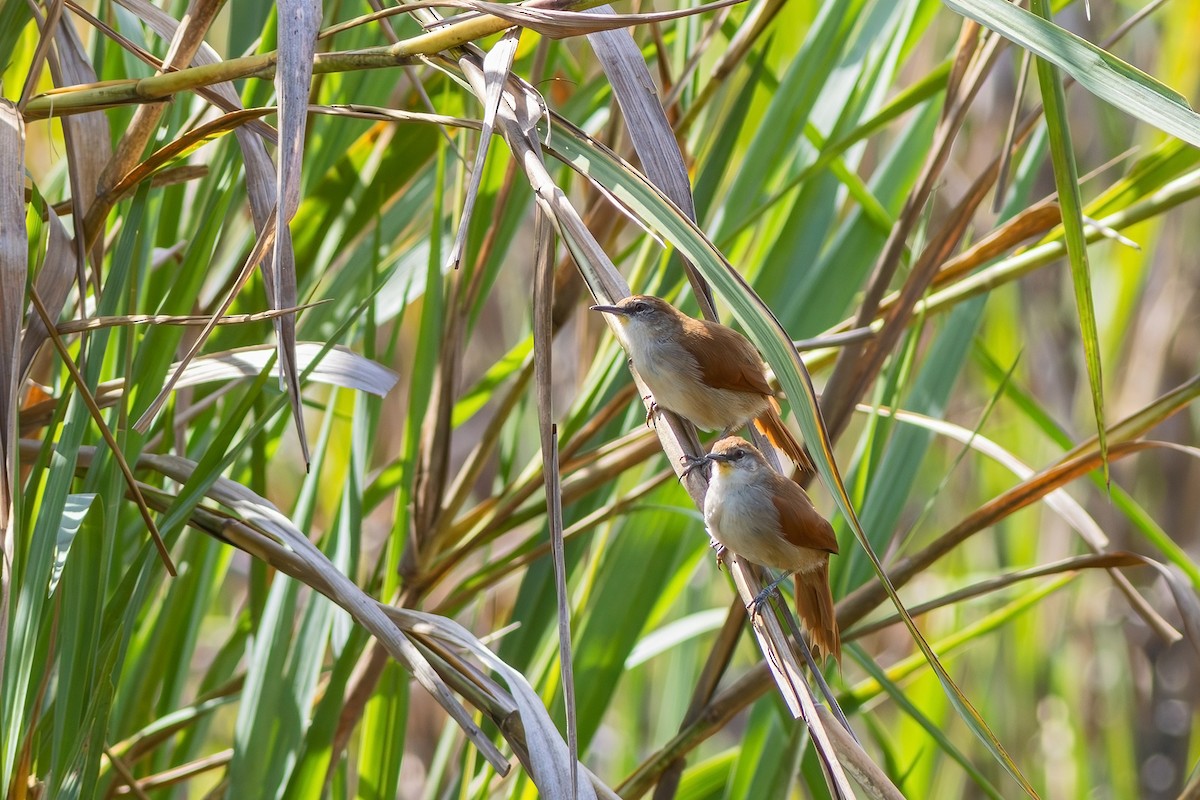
x,y
858,764
649,129
559,24
14,254
546,747
88,141
543,341
312,567
53,285
299,24
789,678
337,366
186,39
496,66
1185,600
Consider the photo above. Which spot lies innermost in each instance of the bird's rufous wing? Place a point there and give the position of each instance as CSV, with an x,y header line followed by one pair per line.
x,y
727,360
802,525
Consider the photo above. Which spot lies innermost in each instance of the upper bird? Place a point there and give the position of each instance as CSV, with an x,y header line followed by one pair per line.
x,y
701,370
768,519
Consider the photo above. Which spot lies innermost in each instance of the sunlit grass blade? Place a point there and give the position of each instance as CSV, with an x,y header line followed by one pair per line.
x,y
1100,72
1066,178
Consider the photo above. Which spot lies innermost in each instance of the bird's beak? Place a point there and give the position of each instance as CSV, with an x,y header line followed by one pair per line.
x,y
724,459
620,312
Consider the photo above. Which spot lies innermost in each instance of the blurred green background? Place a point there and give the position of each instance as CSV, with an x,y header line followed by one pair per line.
x,y
811,132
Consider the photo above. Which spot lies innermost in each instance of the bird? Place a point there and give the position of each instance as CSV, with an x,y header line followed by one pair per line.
x,y
703,371
766,518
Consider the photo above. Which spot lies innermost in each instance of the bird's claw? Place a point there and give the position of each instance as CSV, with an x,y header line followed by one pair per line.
x,y
692,464
755,606
719,550
651,410
760,599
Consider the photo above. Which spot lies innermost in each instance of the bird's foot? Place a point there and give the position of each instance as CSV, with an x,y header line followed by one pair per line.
x,y
719,550
692,463
755,606
651,410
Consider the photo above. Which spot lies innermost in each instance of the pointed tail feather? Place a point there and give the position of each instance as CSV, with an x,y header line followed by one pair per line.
x,y
772,426
814,605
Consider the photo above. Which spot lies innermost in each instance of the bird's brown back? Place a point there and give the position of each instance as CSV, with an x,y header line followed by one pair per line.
x,y
801,524
727,359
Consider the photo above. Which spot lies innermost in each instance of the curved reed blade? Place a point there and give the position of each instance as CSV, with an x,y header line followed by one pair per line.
x,y
1066,178
14,254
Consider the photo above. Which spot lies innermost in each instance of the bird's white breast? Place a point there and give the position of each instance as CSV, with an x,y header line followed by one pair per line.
x,y
739,514
675,380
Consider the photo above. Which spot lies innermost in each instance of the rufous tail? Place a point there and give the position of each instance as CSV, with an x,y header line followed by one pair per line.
x,y
771,425
814,606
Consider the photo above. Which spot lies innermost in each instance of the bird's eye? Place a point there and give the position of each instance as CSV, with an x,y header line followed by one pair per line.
x,y
737,454
639,307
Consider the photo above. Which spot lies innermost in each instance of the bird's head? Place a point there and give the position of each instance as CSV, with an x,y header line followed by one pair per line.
x,y
646,313
732,457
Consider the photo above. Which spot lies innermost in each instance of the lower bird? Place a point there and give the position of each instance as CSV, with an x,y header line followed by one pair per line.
x,y
763,517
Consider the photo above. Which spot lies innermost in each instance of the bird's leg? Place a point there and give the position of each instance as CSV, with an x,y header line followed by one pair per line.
x,y
755,605
651,410
692,464
719,549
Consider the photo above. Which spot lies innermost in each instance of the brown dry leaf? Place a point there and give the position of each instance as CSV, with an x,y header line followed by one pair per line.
x,y
858,764
87,139
260,170
496,66
558,24
336,366
186,39
543,340
789,678
649,129
1185,600
53,285
299,24
186,144
14,254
